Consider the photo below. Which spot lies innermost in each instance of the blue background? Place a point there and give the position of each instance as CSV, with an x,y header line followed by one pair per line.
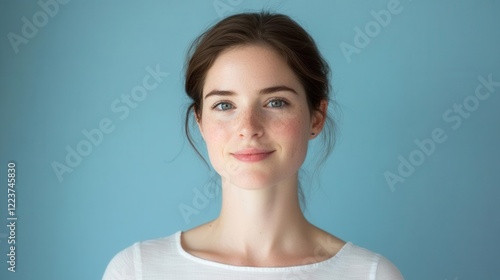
x,y
441,222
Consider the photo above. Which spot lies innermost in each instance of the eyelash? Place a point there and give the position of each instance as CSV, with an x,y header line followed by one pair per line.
x,y
220,103
285,103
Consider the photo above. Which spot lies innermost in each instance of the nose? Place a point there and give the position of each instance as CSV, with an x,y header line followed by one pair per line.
x,y
250,123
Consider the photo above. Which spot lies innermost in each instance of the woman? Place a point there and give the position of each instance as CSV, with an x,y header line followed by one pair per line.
x,y
260,93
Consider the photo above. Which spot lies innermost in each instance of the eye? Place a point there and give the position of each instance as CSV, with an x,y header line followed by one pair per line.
x,y
223,106
277,103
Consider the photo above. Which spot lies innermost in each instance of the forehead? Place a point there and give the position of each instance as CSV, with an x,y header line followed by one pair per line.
x,y
250,68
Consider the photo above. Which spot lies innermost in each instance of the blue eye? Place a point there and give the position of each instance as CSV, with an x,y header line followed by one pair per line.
x,y
277,103
223,106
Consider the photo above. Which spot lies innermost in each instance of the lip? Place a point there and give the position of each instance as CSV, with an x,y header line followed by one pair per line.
x,y
252,154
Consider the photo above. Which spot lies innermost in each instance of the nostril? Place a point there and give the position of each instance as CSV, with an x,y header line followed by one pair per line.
x,y
250,125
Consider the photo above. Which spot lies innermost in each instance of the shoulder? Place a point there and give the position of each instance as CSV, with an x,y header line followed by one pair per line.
x,y
122,265
129,263
386,270
359,259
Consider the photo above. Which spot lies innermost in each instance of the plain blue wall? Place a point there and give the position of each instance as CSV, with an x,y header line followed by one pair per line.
x,y
68,75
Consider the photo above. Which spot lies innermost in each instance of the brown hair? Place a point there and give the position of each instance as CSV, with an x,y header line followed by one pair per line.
x,y
277,31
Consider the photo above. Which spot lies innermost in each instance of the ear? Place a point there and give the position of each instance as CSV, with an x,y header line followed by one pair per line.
x,y
198,122
318,118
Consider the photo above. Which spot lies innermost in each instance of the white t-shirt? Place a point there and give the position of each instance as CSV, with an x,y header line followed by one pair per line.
x,y
164,258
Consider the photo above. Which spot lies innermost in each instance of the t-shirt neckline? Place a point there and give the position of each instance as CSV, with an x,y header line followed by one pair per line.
x,y
329,262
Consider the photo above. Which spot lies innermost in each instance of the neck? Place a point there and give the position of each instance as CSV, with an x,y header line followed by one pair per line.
x,y
257,222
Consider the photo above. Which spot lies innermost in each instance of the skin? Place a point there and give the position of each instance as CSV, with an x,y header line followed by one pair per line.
x,y
256,124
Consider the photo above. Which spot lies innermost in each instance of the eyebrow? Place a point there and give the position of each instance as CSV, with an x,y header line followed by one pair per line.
x,y
262,91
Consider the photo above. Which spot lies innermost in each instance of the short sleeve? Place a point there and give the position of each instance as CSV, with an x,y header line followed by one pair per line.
x,y
386,270
122,266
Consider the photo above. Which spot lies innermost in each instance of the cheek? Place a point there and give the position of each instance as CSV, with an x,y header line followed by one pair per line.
x,y
215,136
294,134
288,129
296,124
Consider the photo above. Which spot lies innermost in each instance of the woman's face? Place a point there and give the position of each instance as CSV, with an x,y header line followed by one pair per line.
x,y
255,119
